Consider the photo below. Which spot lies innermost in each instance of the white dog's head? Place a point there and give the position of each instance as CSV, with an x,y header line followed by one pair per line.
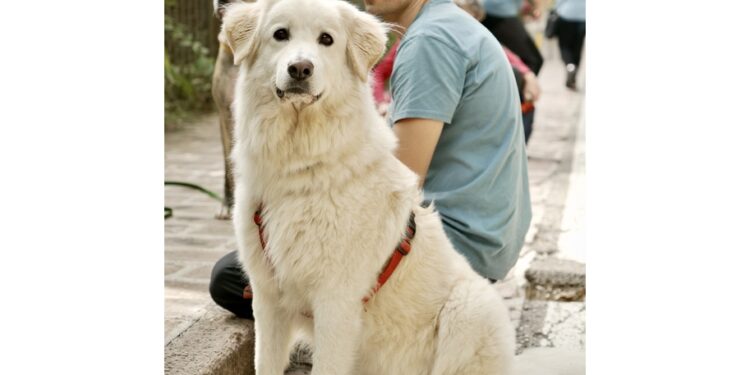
x,y
308,48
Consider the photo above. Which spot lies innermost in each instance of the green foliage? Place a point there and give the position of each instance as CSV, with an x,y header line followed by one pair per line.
x,y
187,85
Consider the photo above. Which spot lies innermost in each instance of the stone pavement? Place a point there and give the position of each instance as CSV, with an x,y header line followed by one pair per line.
x,y
194,239
551,271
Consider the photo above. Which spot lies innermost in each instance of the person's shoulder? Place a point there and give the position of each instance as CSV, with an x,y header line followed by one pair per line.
x,y
429,43
446,29
447,25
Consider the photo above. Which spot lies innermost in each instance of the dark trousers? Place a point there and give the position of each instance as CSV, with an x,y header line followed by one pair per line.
x,y
511,33
528,117
570,35
528,124
227,288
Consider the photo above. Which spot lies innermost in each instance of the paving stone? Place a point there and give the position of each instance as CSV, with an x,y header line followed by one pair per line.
x,y
170,268
194,241
222,228
173,227
201,272
189,284
196,215
196,255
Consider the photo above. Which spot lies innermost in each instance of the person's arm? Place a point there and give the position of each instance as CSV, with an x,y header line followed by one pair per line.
x,y
417,138
427,82
531,86
516,61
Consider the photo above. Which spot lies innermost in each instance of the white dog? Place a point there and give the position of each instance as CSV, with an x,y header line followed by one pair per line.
x,y
312,151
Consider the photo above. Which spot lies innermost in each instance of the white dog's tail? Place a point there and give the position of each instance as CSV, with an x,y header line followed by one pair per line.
x,y
550,361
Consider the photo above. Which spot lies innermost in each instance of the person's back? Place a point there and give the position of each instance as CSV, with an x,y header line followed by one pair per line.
x,y
571,10
502,8
451,69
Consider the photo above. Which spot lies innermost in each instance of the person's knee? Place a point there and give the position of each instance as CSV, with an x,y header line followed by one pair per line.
x,y
227,287
214,287
225,279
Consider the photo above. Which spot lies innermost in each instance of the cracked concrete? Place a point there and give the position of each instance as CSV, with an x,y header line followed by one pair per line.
x,y
552,324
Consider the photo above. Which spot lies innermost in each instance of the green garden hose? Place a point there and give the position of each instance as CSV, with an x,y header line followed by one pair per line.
x,y
168,211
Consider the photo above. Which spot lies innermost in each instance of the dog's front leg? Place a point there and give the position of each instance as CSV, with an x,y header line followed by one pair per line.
x,y
337,325
273,334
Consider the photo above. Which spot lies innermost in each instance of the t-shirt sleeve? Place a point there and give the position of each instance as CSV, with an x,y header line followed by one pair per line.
x,y
427,80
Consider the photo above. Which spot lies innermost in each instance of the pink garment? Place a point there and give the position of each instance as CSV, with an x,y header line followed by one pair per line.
x,y
516,61
382,73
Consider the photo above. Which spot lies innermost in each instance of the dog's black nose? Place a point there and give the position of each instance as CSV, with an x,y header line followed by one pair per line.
x,y
301,70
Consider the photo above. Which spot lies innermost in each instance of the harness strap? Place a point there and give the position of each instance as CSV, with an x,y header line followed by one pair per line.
x,y
259,222
402,250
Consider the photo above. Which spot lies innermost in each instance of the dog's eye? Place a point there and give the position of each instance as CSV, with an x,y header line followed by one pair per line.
x,y
281,34
325,39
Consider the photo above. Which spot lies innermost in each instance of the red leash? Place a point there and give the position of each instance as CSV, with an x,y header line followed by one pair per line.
x,y
402,250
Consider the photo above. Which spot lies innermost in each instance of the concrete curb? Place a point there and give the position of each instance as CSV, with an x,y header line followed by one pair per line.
x,y
554,312
555,279
217,344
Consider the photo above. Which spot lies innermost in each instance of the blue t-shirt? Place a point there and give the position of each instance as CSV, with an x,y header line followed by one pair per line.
x,y
571,10
450,68
502,8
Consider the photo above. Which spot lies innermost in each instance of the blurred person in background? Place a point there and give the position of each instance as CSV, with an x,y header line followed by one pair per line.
x,y
571,31
504,21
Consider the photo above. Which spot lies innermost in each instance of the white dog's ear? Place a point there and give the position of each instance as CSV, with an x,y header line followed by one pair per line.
x,y
367,38
239,30
221,5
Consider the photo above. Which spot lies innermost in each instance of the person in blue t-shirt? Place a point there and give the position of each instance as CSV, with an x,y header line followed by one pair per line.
x,y
456,112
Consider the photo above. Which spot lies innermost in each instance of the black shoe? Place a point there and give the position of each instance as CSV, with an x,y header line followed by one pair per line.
x,y
570,81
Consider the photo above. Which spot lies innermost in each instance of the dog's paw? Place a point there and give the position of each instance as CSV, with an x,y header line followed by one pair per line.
x,y
224,214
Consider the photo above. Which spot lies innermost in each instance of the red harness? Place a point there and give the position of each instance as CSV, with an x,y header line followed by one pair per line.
x,y
402,250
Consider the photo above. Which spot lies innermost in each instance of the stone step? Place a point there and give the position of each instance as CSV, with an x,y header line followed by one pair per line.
x,y
555,279
218,343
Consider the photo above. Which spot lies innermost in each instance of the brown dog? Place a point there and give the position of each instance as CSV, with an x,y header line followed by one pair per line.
x,y
222,90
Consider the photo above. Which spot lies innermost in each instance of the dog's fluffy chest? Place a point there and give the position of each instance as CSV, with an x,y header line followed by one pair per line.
x,y
315,228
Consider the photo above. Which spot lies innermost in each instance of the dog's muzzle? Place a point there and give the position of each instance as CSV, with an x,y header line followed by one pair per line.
x,y
298,83
297,89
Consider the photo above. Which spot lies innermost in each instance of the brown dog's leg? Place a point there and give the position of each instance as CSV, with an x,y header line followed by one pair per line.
x,y
225,75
